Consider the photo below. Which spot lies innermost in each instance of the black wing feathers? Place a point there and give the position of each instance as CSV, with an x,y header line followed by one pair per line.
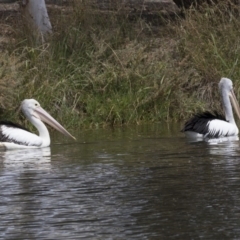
x,y
199,123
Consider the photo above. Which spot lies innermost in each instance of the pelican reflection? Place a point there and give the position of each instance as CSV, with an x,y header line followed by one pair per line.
x,y
39,158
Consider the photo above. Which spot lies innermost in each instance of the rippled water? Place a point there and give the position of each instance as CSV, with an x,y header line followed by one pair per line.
x,y
144,182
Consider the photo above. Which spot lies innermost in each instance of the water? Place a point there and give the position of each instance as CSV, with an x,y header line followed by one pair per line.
x,y
144,182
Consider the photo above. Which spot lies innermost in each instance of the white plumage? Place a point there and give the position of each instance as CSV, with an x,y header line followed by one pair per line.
x,y
21,136
221,128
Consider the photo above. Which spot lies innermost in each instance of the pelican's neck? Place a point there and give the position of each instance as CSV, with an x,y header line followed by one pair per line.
x,y
42,130
227,107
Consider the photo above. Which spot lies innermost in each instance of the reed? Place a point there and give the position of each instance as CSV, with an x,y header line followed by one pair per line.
x,y
98,70
209,47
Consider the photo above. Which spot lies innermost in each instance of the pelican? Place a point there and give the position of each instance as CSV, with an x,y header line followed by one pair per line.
x,y
15,136
208,125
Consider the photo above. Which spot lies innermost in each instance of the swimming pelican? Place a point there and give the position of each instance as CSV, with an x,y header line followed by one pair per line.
x,y
15,136
207,125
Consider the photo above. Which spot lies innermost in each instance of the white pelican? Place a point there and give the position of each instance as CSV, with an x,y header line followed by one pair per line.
x,y
207,125
15,136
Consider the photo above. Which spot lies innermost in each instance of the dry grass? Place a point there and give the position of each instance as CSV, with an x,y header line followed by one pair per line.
x,y
104,69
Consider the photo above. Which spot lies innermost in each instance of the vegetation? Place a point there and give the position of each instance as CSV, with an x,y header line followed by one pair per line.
x,y
103,69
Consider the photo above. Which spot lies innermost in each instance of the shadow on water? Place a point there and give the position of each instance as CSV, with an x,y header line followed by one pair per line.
x,y
144,182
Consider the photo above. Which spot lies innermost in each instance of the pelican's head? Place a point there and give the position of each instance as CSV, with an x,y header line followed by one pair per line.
x,y
33,111
225,84
226,89
28,107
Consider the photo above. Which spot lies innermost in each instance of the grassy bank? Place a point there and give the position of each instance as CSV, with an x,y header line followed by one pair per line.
x,y
103,69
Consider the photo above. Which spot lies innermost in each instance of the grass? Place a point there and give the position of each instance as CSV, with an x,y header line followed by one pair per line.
x,y
105,69
211,44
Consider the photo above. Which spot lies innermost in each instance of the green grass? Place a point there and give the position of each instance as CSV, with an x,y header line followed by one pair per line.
x,y
104,69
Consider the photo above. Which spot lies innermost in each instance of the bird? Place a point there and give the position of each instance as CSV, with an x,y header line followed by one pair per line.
x,y
13,135
211,125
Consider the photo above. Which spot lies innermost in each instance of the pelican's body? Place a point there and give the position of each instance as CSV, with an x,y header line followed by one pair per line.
x,y
15,136
207,125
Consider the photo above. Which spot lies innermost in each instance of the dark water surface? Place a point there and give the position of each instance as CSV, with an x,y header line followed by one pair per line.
x,y
143,182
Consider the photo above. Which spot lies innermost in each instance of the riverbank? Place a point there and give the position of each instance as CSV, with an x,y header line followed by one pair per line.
x,y
101,69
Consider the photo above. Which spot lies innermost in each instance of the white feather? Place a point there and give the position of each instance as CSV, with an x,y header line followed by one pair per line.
x,y
224,128
21,136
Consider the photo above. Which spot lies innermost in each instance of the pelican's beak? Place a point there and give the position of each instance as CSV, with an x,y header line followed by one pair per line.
x,y
235,103
47,118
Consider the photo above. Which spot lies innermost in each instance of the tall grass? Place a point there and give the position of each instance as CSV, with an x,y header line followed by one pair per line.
x,y
104,69
210,46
